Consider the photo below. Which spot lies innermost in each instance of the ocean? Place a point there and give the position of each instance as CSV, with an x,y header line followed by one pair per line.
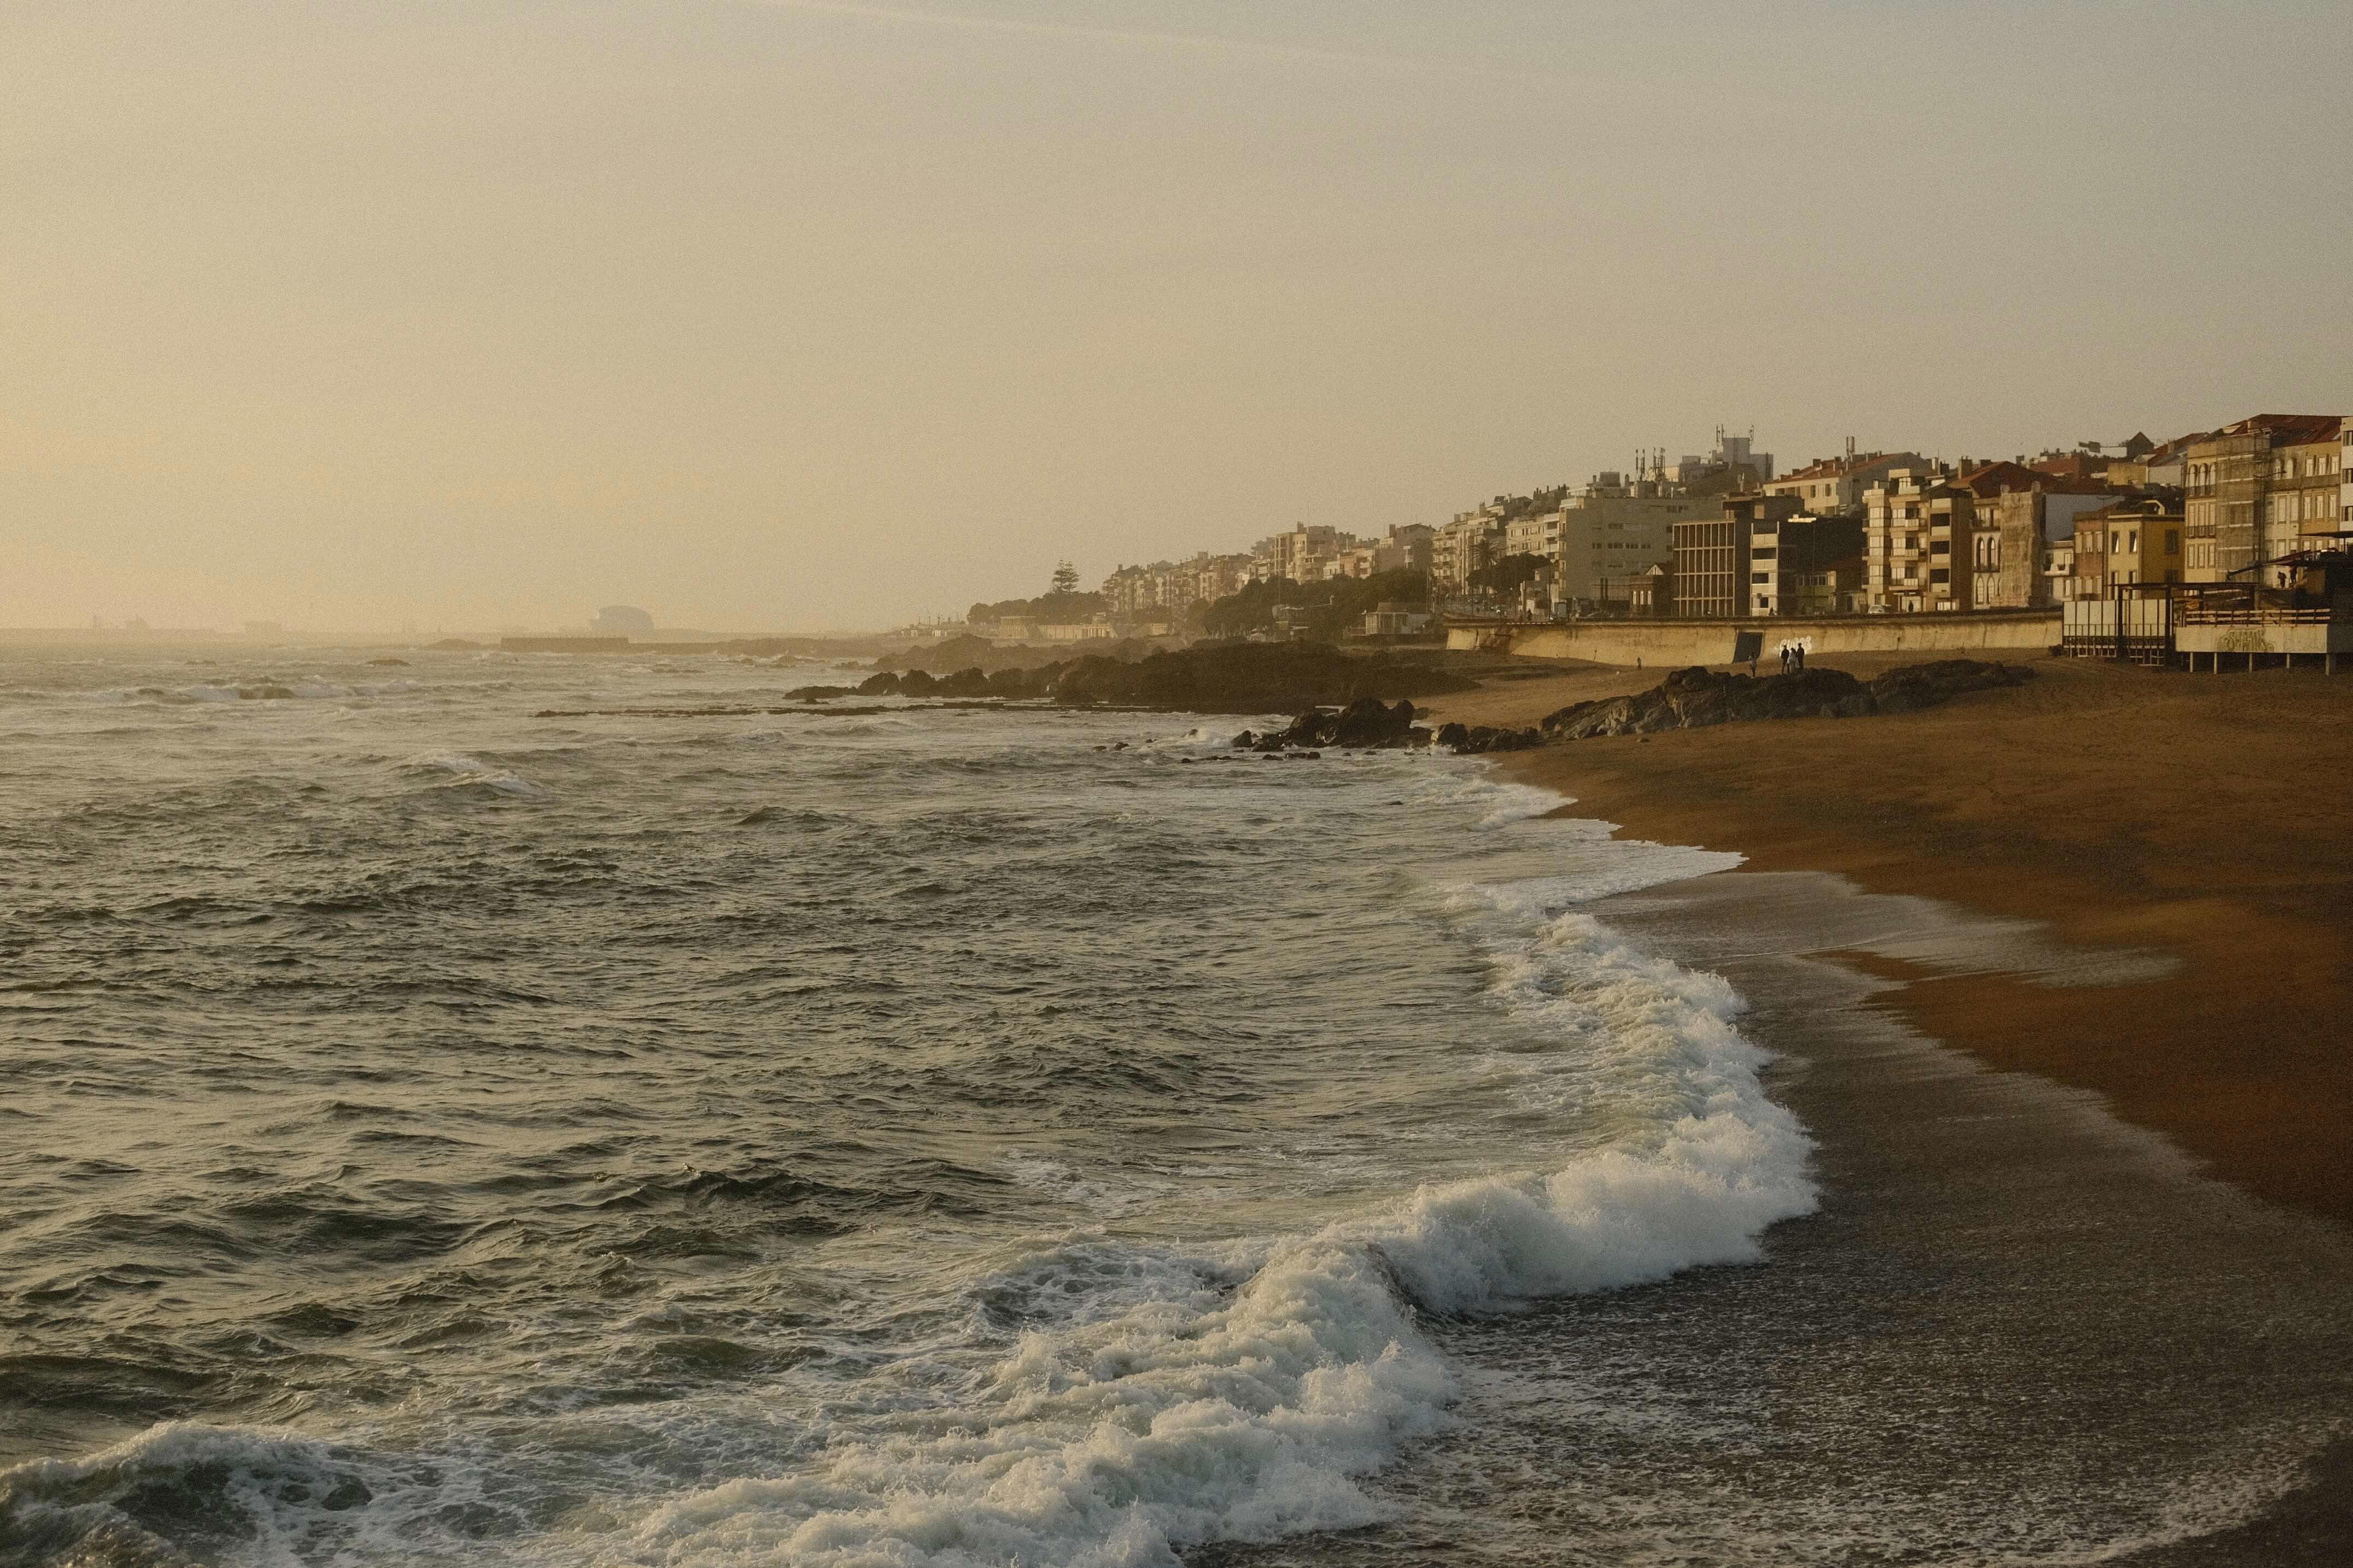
x,y
558,1110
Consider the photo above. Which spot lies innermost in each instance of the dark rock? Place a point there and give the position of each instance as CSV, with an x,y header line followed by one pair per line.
x,y
1917,686
821,693
1696,698
1249,678
1480,739
972,682
917,683
883,685
1370,723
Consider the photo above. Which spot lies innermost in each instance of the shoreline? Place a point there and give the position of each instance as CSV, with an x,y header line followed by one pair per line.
x,y
2179,826
1986,1208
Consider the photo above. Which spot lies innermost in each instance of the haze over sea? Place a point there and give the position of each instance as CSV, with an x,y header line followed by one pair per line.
x,y
438,1134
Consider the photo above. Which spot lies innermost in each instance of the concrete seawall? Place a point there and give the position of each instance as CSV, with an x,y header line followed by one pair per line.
x,y
1667,645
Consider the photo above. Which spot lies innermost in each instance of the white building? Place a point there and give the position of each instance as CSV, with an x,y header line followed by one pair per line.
x,y
1610,531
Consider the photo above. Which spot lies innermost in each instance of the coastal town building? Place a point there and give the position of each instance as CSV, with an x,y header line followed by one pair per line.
x,y
1906,571
1535,533
1722,562
1652,592
2158,465
2303,506
1391,618
1805,563
2014,542
2345,476
2058,571
1406,548
2229,526
1457,549
1735,464
2085,466
1829,485
2128,541
1952,539
1618,528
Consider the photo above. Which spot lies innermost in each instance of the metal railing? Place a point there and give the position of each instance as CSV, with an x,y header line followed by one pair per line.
x,y
2193,616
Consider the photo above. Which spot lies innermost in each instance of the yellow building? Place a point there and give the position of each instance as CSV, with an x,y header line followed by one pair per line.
x,y
2230,523
2135,541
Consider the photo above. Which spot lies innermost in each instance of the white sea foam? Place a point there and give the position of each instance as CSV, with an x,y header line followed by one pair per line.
x,y
1249,1393
471,771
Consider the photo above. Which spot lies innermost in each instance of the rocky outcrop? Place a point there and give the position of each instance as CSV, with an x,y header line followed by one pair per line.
x,y
1471,740
1249,678
1367,724
1925,685
1696,698
1233,678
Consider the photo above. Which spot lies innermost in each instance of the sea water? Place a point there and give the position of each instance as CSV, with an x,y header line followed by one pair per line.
x,y
560,1111
438,1132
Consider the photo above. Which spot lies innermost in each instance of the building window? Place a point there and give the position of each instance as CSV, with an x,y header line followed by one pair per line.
x,y
2173,541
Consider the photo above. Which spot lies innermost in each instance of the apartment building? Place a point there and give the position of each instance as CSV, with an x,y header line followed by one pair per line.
x,y
1722,560
1406,548
2133,540
2015,540
1303,554
1804,563
2344,474
1908,523
1618,530
1948,540
1829,485
2229,525
1460,547
1535,533
2301,512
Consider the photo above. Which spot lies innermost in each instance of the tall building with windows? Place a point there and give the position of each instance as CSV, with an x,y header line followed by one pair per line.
x,y
1728,564
2230,524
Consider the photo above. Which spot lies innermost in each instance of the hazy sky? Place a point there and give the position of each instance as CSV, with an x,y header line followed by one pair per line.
x,y
784,314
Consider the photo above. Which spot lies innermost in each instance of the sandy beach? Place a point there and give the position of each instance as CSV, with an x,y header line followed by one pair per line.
x,y
2186,826
2109,890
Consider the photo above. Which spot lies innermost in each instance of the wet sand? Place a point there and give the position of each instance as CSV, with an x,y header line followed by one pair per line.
x,y
2192,825
2133,885
2017,1329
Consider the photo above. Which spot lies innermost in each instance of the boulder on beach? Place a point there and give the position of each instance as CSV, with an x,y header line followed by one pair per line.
x,y
1697,698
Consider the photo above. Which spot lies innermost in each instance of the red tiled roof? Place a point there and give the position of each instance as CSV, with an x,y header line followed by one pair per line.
x,y
1993,479
1833,467
2289,429
2174,448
